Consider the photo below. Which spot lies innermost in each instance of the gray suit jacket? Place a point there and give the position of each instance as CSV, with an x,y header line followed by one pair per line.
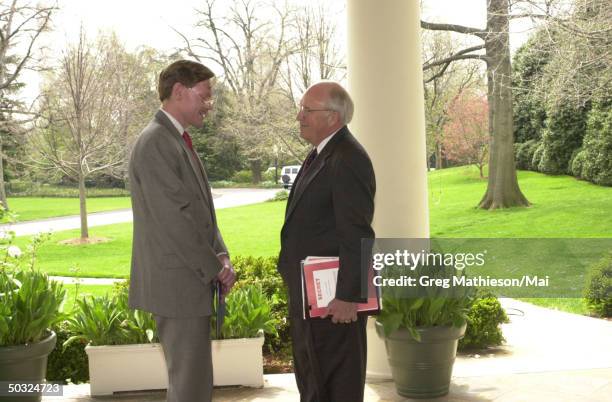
x,y
176,239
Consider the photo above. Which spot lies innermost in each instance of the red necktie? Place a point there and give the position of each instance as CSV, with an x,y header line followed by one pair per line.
x,y
188,141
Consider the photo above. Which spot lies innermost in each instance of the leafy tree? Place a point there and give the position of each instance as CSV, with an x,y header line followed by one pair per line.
x,y
466,138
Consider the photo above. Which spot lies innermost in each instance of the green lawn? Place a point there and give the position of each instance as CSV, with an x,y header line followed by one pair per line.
x,y
248,230
561,207
31,208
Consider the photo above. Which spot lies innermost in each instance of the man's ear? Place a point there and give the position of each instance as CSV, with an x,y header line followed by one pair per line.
x,y
334,118
177,90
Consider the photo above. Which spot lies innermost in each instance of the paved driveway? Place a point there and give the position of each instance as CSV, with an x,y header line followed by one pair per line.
x,y
223,198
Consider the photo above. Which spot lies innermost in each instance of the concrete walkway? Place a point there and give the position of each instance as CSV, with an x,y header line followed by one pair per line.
x,y
549,356
223,198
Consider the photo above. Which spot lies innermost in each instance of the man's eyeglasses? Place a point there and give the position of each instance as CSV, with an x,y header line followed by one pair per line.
x,y
305,110
206,102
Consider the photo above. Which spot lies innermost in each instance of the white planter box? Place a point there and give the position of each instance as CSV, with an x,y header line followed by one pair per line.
x,y
238,362
143,367
126,368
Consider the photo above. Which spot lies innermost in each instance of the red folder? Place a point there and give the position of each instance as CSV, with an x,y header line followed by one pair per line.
x,y
319,278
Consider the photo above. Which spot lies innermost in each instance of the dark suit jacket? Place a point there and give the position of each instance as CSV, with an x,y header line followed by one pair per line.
x,y
176,239
329,211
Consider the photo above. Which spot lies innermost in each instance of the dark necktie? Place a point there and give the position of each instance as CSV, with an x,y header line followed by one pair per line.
x,y
307,162
309,159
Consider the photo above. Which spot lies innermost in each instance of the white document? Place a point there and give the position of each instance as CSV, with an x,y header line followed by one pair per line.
x,y
325,285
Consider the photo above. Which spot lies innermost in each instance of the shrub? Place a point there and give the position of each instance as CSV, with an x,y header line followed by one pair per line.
x,y
268,175
596,162
524,154
243,176
577,163
484,317
31,189
282,195
537,157
598,291
565,128
67,364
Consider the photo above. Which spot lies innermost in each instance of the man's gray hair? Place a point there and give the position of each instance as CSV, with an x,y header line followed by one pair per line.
x,y
341,102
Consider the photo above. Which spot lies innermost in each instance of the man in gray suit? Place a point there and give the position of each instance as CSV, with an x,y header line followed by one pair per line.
x,y
178,252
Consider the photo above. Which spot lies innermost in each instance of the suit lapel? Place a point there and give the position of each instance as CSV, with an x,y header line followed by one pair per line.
x,y
305,178
195,163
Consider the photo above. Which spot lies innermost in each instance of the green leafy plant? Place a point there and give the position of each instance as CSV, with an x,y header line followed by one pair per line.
x,y
411,308
30,303
107,320
598,290
248,314
141,324
483,322
97,321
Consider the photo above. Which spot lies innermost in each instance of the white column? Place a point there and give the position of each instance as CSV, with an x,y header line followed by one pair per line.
x,y
385,80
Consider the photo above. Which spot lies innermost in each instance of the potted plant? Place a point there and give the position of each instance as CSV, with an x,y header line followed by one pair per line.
x,y
124,354
30,304
421,329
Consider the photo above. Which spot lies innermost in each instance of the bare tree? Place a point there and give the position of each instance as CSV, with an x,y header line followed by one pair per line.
x,y
250,47
317,57
21,25
90,112
442,89
269,53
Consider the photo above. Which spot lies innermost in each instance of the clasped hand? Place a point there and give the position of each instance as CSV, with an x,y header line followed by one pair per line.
x,y
341,311
227,275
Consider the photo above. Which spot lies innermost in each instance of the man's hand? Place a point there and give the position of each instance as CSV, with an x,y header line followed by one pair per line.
x,y
341,311
227,275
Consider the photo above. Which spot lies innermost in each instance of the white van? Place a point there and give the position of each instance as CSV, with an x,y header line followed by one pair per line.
x,y
288,174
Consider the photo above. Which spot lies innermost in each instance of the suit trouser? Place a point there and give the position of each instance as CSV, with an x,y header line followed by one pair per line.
x,y
329,359
186,344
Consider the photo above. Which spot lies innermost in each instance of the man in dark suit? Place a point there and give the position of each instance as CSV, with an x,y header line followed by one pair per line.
x,y
177,251
329,211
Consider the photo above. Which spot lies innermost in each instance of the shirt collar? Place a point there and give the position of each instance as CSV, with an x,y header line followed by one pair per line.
x,y
175,122
325,141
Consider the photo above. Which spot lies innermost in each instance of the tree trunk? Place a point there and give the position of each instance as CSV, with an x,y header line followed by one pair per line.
x,y
256,170
3,199
438,155
503,190
83,207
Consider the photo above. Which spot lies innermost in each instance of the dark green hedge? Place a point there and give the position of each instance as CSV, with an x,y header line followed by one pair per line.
x,y
483,322
598,291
